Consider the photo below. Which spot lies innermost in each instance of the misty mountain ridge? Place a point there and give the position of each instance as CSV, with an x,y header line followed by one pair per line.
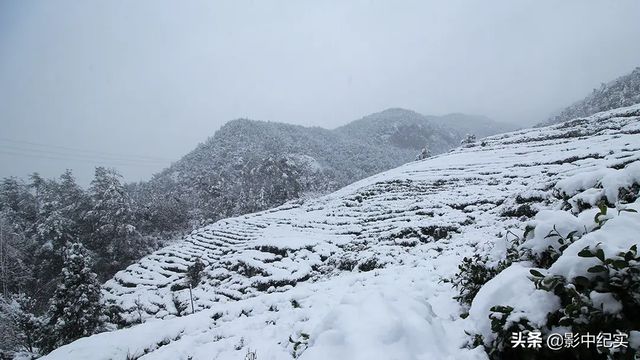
x,y
621,92
250,165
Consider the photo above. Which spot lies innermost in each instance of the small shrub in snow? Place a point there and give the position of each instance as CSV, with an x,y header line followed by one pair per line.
x,y
472,273
476,271
503,326
251,355
547,257
369,264
179,305
299,345
133,356
424,154
194,272
468,141
295,304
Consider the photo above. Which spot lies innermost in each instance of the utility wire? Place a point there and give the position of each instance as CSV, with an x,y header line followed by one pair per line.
x,y
95,161
130,156
47,152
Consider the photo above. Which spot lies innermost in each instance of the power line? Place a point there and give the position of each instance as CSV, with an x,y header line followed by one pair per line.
x,y
102,162
47,152
141,157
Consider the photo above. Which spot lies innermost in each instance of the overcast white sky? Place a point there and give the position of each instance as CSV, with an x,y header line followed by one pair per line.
x,y
153,78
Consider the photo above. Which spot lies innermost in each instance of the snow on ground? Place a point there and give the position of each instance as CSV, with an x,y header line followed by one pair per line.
x,y
356,274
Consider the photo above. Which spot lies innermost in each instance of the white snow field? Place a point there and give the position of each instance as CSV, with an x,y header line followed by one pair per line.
x,y
356,274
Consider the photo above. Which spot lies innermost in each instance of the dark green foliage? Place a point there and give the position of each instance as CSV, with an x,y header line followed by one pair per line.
x,y
472,273
369,264
475,271
501,347
295,304
617,277
520,211
546,258
74,309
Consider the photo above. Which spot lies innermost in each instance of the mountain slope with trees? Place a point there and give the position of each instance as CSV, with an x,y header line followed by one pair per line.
x,y
623,91
248,165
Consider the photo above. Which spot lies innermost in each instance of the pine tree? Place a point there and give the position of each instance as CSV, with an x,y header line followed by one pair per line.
x,y
74,309
18,205
55,227
14,272
73,200
110,221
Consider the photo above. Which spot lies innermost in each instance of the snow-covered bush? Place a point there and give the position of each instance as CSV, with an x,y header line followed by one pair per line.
x,y
194,272
425,153
472,274
577,273
20,329
468,141
477,270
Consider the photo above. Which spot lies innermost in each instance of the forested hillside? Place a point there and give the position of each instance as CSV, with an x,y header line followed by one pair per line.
x,y
249,166
624,91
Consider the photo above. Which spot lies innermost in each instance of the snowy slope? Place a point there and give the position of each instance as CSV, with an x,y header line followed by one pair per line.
x,y
623,91
249,166
355,274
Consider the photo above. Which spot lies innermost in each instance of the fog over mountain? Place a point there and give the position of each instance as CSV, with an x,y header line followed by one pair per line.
x,y
137,85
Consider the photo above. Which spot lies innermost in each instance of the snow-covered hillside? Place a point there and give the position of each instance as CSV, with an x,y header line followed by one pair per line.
x,y
355,274
249,166
623,91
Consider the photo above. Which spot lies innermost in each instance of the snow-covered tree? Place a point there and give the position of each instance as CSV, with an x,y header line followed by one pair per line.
x,y
194,272
73,199
74,309
469,140
60,206
20,329
110,220
18,204
424,154
14,271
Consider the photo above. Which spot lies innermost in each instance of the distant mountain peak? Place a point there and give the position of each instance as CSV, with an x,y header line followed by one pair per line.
x,y
397,111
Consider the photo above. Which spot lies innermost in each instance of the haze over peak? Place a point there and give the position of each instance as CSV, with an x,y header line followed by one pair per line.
x,y
153,78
